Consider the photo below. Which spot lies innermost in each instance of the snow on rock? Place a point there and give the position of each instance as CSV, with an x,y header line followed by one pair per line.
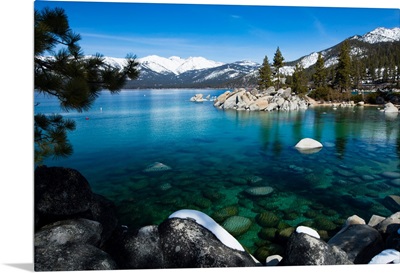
x,y
207,222
387,256
307,230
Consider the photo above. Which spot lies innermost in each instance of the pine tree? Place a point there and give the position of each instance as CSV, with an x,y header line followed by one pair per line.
x,y
75,80
265,75
320,75
299,80
358,72
278,64
343,69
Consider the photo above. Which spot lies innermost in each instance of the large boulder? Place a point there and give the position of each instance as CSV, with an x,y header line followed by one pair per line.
x,y
137,250
361,242
198,98
221,99
71,245
188,239
304,249
390,108
72,257
308,144
103,211
233,99
389,228
69,231
186,244
61,191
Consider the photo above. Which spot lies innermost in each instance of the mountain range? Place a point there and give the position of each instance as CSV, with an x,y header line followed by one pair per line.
x,y
198,72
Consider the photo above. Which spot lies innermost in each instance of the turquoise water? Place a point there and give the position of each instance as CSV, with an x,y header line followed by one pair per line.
x,y
214,154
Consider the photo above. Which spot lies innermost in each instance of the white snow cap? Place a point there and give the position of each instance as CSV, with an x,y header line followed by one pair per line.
x,y
387,256
307,230
206,221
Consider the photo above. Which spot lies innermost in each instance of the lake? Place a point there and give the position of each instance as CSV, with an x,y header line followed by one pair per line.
x,y
216,156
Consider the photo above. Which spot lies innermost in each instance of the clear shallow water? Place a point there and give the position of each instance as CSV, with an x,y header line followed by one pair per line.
x,y
214,153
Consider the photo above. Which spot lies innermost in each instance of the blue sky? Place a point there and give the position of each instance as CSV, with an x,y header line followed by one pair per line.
x,y
218,32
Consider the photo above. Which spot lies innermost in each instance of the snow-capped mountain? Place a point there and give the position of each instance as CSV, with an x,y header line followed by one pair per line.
x,y
176,65
173,72
380,35
198,72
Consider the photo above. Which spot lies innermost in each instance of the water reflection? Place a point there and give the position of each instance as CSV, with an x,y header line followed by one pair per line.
x,y
336,128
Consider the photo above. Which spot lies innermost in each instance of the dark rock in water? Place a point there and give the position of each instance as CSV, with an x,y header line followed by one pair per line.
x,y
324,223
284,234
392,202
72,257
303,249
268,233
395,182
262,253
360,242
81,231
392,175
387,224
267,219
360,203
186,244
224,213
60,192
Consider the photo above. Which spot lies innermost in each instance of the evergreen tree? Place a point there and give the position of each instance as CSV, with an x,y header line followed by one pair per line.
x,y
320,75
67,74
343,69
358,72
278,64
264,80
299,80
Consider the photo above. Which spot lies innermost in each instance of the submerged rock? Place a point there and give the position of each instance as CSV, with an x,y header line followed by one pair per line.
x,y
259,191
237,225
157,167
267,219
224,213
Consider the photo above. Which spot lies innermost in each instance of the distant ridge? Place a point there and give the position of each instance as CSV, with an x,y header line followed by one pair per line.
x,y
199,72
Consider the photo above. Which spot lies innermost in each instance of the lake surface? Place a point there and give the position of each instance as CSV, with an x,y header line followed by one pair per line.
x,y
216,156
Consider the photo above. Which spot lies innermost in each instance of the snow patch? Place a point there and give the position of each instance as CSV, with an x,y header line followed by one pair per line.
x,y
207,222
307,230
387,256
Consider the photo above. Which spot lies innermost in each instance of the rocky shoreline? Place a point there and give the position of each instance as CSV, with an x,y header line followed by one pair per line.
x,y
283,99
76,229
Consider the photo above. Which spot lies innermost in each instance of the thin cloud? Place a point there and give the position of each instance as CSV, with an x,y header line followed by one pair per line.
x,y
137,39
